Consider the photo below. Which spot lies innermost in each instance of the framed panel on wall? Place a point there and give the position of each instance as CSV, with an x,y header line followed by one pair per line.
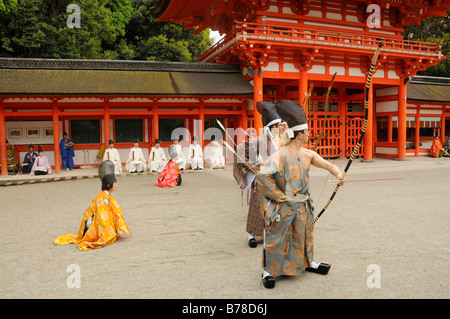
x,y
33,132
48,131
15,132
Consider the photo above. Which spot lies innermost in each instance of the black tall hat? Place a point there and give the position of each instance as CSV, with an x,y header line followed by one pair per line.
x,y
40,149
111,142
269,113
157,141
106,172
293,114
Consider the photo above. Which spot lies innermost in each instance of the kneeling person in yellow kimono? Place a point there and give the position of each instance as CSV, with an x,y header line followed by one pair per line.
x,y
102,222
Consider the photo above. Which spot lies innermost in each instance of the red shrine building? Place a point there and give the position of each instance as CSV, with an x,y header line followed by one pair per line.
x,y
271,50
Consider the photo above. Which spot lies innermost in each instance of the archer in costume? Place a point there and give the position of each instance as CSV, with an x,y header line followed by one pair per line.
x,y
217,160
285,201
136,161
66,151
102,222
255,152
171,174
157,158
178,149
112,154
196,155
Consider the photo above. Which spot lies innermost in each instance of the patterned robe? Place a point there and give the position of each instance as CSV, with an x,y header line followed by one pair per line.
x,y
289,248
106,226
253,152
170,176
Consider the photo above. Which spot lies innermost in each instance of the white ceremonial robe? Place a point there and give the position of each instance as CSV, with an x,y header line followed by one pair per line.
x,y
136,161
196,156
217,158
112,154
157,159
181,161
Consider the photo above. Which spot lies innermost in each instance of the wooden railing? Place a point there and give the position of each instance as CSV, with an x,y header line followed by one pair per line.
x,y
278,34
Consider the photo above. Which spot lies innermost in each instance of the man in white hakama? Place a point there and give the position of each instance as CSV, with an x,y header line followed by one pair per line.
x,y
181,160
217,158
157,158
112,154
196,155
136,161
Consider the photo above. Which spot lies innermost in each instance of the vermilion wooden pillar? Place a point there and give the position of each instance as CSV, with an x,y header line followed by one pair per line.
x,y
106,119
155,121
3,159
257,96
303,89
368,137
244,116
417,133
56,138
201,117
401,146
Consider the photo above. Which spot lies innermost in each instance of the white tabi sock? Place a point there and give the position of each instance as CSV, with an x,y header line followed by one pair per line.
x,y
314,265
250,236
265,274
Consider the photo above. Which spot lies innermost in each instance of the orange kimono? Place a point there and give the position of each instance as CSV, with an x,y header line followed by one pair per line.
x,y
107,224
436,147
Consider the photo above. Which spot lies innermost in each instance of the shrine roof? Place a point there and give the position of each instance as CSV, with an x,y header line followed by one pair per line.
x,y
55,76
429,88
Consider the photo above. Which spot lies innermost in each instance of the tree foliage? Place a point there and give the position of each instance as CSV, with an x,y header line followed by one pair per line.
x,y
109,29
434,30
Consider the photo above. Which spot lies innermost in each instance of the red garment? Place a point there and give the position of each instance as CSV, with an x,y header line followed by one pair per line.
x,y
436,147
170,176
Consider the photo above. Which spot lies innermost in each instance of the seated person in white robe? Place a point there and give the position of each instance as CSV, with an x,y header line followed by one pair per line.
x,y
136,161
157,158
41,165
196,155
112,154
217,158
181,160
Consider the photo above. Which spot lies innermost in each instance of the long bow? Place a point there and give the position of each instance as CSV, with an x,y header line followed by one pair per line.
x,y
363,131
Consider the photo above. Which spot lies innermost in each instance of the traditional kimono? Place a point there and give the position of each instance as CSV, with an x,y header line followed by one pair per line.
x,y
12,160
28,161
436,148
67,153
41,166
289,247
217,158
170,176
181,161
254,152
106,225
196,156
157,159
113,155
136,161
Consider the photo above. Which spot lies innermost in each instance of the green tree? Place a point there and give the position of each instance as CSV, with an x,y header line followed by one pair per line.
x,y
148,39
7,6
39,29
434,30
